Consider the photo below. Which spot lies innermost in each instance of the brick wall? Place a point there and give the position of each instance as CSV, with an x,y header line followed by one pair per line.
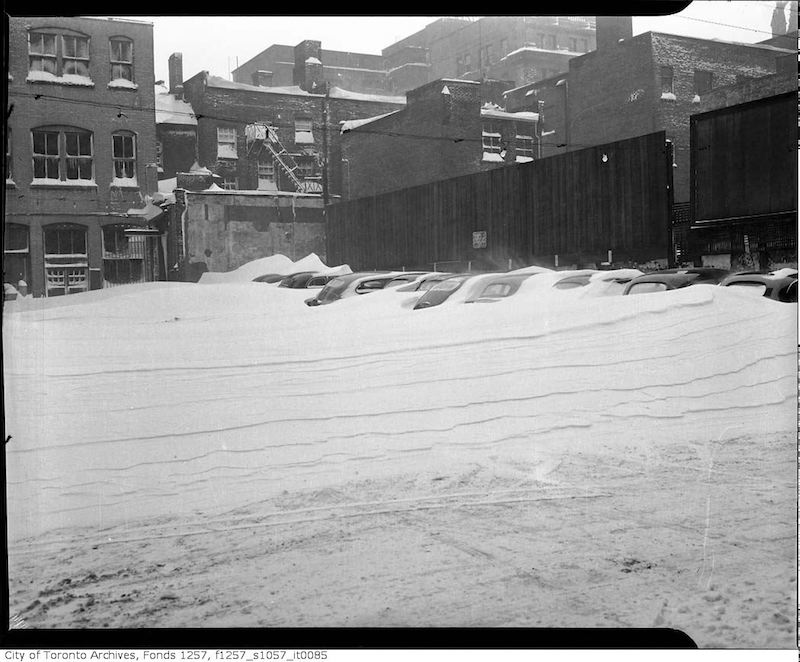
x,y
96,108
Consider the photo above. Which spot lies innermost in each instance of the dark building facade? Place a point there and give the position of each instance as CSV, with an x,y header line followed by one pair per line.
x,y
176,125
300,150
447,129
646,83
80,154
744,183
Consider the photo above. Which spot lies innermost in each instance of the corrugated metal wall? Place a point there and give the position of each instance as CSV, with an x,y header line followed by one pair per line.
x,y
577,205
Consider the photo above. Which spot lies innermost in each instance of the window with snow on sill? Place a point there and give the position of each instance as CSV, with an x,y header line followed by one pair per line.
x,y
668,96
66,79
123,84
303,138
492,156
124,182
64,182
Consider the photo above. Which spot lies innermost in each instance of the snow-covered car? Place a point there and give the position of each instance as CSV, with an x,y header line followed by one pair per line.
x,y
575,279
496,287
406,278
351,284
660,282
425,282
779,285
465,284
269,278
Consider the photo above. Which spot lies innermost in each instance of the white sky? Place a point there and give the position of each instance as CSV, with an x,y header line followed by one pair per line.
x,y
214,43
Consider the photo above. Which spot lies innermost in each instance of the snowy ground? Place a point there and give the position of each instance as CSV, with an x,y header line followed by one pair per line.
x,y
214,455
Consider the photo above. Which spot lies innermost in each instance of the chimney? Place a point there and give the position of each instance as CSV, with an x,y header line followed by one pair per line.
x,y
610,29
778,24
308,65
262,78
176,74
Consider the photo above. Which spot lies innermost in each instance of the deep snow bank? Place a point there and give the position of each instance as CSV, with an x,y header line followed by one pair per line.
x,y
274,264
195,399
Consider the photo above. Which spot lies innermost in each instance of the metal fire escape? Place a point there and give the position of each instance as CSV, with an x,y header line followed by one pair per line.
x,y
261,137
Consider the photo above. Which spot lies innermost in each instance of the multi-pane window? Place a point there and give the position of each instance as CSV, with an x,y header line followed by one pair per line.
x,y
123,256
42,52
16,254
524,147
159,154
121,58
666,80
75,55
62,155
303,131
65,259
305,168
703,81
124,155
226,142
266,175
229,183
492,138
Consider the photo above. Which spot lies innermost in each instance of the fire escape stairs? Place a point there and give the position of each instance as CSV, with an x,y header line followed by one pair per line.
x,y
268,139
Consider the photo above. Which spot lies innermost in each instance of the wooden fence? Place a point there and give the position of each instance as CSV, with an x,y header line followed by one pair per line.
x,y
572,208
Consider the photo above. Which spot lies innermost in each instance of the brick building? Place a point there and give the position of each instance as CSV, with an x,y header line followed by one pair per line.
x,y
638,85
448,128
522,49
300,151
176,127
518,48
275,66
80,154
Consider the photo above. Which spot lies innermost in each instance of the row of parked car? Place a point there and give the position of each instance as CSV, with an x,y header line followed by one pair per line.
x,y
434,288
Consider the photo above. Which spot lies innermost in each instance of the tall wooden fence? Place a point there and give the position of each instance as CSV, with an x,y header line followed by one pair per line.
x,y
577,206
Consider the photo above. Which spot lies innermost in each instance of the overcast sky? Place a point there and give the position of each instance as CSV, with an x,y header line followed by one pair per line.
x,y
214,43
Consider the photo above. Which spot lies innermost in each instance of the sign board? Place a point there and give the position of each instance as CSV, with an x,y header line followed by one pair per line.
x,y
255,132
311,186
479,239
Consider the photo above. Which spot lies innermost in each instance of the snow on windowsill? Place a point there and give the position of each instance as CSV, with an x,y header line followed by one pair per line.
x,y
124,182
71,183
10,182
303,138
667,96
492,156
122,84
66,79
524,159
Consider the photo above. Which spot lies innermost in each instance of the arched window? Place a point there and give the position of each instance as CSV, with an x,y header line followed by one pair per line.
x,y
123,154
62,154
121,58
66,261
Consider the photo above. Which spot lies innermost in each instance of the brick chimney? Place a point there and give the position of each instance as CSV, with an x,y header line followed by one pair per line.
x,y
176,74
262,78
308,65
610,29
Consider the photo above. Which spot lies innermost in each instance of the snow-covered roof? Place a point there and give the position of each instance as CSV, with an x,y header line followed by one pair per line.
x,y
335,92
536,49
349,125
170,110
525,116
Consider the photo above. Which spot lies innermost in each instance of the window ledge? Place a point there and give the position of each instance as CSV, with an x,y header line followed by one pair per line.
x,y
122,84
58,183
667,96
71,80
124,183
10,183
492,156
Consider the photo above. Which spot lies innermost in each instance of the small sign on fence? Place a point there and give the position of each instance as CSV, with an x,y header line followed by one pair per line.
x,y
479,239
